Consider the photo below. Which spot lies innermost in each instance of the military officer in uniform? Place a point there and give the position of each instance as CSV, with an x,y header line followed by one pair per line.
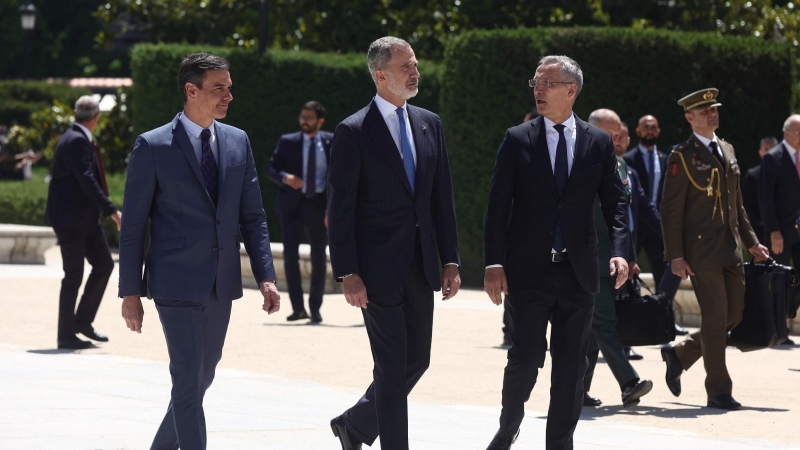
x,y
705,225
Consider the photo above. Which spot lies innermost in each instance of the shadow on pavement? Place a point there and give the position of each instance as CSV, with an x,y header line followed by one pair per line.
x,y
53,351
687,412
309,324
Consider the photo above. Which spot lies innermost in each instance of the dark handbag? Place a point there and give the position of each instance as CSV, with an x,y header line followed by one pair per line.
x,y
643,320
770,295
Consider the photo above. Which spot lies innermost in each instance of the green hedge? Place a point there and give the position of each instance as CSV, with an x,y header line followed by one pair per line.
x,y
268,91
485,91
19,99
24,202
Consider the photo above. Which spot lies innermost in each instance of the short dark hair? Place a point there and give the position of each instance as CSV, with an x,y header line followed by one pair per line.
x,y
316,107
769,140
193,70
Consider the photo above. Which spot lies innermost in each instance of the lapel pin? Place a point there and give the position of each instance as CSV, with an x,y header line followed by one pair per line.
x,y
423,128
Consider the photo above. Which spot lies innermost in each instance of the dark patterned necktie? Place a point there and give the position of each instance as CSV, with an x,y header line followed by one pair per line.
x,y
209,165
405,147
561,174
715,150
310,183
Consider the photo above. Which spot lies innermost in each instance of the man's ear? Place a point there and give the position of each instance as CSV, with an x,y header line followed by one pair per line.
x,y
380,76
689,117
321,122
191,90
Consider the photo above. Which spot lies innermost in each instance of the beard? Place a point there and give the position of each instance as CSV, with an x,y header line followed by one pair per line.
x,y
648,141
400,90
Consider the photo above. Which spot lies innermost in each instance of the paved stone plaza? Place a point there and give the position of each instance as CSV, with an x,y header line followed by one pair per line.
x,y
279,384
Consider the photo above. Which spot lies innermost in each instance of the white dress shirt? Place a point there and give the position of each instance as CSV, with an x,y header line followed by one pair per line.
x,y
656,171
193,130
89,133
389,113
707,142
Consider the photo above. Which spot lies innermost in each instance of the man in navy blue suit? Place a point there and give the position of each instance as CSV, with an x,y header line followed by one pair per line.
x,y
194,181
300,167
392,226
540,247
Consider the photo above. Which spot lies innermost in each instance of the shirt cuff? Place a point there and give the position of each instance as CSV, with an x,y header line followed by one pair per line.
x,y
452,264
492,266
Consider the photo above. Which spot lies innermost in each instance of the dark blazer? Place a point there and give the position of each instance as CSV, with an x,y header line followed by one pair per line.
x,y
779,194
193,244
75,194
750,197
288,158
520,237
373,217
635,160
644,210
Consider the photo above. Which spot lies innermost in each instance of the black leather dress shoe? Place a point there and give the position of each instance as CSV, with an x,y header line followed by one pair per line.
x,y
724,401
787,342
632,355
297,315
316,318
89,332
506,342
345,438
632,394
74,344
591,401
674,369
680,331
501,443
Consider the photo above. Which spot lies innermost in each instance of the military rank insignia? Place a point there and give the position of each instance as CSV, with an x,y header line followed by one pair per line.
x,y
674,169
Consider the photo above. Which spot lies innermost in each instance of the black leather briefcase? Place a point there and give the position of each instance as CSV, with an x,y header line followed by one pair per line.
x,y
643,320
770,293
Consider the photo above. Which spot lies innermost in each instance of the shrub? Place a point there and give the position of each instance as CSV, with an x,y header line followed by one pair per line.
x,y
485,91
19,99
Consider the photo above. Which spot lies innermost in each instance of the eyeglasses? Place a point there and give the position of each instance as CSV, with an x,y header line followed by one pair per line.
x,y
533,82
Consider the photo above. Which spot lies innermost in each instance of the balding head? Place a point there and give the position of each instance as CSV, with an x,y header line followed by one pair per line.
x,y
791,130
608,121
648,131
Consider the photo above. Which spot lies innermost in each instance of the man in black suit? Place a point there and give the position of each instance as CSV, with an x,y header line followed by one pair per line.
x,y
750,189
392,221
779,194
540,246
302,176
77,195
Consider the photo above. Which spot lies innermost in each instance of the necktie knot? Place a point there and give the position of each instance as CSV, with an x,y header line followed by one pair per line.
x,y
560,129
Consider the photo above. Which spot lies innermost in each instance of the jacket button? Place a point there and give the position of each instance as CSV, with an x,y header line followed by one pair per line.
x,y
214,248
560,207
551,233
699,236
219,221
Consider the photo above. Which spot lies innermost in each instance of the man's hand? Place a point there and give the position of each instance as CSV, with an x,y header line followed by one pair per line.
x,y
760,253
777,242
117,218
495,283
354,291
451,281
293,181
619,268
681,268
133,312
272,299
635,270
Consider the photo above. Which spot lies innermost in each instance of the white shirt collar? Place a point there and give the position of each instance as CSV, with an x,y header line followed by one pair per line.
x,y
569,123
706,141
387,108
85,131
645,149
792,150
195,129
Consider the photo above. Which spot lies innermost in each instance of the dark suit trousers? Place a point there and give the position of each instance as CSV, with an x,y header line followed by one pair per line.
x,y
77,244
562,300
605,338
399,325
308,216
195,334
654,248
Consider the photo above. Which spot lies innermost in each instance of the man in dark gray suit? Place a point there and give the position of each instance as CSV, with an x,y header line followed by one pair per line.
x,y
194,180
540,247
391,222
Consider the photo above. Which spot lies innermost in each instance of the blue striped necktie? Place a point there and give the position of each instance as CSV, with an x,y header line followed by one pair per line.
x,y
209,165
405,147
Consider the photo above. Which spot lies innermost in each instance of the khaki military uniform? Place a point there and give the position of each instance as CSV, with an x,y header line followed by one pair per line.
x,y
704,222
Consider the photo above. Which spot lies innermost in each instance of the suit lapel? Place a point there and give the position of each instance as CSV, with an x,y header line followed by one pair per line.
x,y
223,158
702,152
379,132
582,141
638,157
180,136
419,129
540,155
787,161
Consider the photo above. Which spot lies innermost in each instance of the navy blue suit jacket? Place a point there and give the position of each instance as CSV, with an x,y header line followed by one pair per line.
x,y
194,245
373,217
645,212
288,158
779,194
524,206
75,196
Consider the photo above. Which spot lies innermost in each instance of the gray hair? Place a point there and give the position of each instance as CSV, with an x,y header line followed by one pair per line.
x,y
380,53
86,108
792,118
570,69
602,115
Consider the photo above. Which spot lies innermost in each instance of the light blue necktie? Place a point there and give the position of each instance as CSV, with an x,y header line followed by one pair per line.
x,y
405,147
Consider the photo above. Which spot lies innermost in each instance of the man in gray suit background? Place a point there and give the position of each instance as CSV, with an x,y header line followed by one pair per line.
x,y
194,180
